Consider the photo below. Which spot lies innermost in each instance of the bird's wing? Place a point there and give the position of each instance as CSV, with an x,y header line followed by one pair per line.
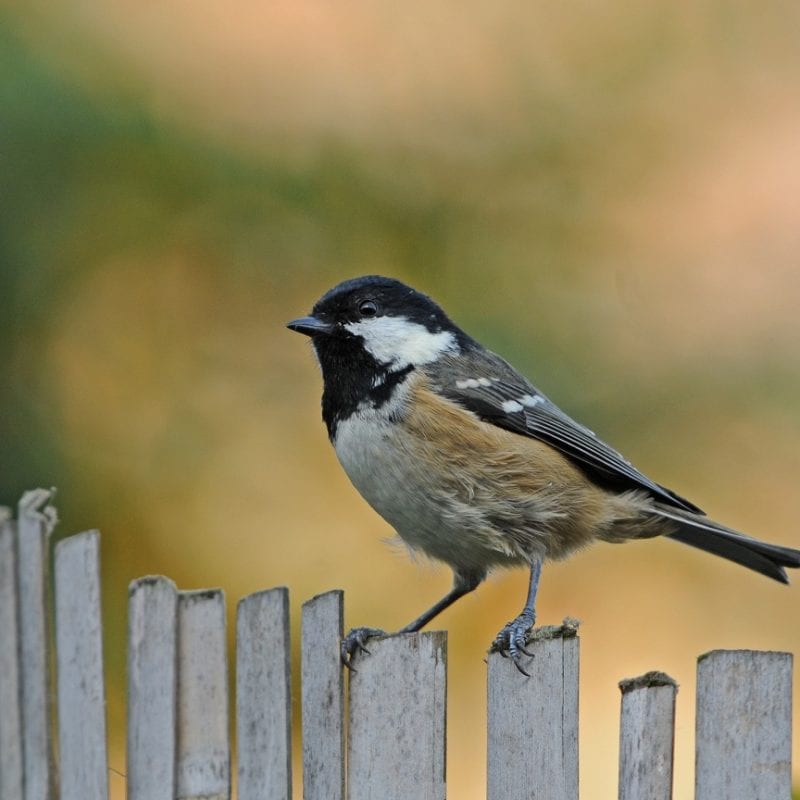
x,y
501,396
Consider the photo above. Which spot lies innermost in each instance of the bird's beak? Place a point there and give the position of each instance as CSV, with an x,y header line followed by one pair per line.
x,y
310,326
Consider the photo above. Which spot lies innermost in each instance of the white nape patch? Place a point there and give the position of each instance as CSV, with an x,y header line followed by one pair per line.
x,y
397,342
512,405
531,400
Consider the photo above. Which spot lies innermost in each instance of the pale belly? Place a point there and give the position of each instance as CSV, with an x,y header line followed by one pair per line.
x,y
443,519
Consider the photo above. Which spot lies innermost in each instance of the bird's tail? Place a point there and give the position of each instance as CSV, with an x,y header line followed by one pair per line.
x,y
705,534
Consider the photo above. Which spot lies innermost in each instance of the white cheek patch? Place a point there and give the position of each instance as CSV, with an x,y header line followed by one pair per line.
x,y
397,342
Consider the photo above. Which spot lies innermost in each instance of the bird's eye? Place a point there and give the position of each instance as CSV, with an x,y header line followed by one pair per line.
x,y
369,308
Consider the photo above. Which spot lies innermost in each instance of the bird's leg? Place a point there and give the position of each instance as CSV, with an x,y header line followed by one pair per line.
x,y
463,583
511,640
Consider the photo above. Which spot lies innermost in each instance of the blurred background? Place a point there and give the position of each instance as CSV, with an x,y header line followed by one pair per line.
x,y
604,193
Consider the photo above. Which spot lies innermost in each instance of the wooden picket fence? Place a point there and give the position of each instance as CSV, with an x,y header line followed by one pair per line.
x,y
382,739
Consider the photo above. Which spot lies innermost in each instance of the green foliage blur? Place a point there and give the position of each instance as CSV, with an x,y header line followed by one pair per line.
x,y
607,196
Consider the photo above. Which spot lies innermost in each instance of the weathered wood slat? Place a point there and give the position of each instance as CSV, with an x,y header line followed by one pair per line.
x,y
203,755
152,688
10,710
322,683
263,697
646,737
35,522
744,725
83,755
396,734
533,722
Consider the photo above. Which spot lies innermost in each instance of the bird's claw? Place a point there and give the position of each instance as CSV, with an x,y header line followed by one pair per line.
x,y
355,642
512,640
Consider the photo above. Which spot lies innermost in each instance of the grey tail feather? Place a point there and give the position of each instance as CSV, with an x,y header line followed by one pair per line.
x,y
705,534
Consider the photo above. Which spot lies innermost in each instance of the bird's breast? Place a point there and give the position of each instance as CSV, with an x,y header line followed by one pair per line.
x,y
380,462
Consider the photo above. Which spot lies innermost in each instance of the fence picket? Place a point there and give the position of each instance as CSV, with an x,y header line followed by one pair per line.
x,y
35,522
744,725
203,748
263,696
396,734
152,688
533,722
10,711
322,683
646,737
83,767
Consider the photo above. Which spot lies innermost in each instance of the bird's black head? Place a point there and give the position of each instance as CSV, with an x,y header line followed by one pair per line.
x,y
369,333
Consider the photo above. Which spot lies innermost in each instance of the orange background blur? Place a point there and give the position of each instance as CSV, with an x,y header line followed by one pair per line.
x,y
605,193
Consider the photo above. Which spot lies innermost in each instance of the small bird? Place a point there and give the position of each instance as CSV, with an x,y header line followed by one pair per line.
x,y
471,464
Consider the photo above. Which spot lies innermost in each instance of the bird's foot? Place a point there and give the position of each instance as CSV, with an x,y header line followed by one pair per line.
x,y
355,642
513,638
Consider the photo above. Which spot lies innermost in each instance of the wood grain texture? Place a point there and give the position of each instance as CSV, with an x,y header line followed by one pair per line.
x,y
646,738
744,725
10,690
203,747
263,696
396,735
533,722
35,522
322,682
79,660
152,688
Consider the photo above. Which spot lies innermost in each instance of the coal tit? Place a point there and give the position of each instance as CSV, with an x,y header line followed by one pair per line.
x,y
473,465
